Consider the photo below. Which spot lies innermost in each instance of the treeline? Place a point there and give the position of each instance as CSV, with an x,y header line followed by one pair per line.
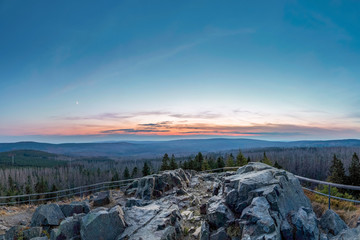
x,y
27,180
209,162
314,163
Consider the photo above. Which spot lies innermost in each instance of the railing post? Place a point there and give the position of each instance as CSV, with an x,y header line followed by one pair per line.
x,y
29,199
329,196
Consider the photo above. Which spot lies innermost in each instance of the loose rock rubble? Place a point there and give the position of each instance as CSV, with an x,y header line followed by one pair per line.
x,y
255,202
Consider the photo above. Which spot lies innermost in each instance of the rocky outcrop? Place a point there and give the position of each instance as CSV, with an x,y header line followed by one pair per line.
x,y
269,204
158,220
255,202
154,186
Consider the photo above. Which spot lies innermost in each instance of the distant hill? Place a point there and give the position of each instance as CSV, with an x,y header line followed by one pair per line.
x,y
151,149
22,158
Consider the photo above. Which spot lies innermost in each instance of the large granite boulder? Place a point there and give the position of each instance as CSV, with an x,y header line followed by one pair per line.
x,y
153,186
331,223
75,207
257,220
68,229
159,220
304,224
105,225
47,215
270,202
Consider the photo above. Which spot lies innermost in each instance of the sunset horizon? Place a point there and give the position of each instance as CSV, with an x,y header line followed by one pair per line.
x,y
275,71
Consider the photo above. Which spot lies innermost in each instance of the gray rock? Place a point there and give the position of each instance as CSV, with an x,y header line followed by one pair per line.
x,y
279,198
159,220
103,198
32,233
15,232
106,225
220,234
348,234
154,186
305,224
331,223
258,222
75,207
218,214
47,215
136,202
68,229
205,231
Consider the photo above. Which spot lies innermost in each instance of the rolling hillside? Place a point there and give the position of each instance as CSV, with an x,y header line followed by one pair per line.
x,y
158,148
28,158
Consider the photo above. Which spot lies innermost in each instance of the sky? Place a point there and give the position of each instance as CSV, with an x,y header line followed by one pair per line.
x,y
80,71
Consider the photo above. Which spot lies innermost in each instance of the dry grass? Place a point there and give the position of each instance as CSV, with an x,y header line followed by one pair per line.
x,y
349,212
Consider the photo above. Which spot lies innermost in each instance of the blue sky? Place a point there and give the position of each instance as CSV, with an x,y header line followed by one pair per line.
x,y
89,70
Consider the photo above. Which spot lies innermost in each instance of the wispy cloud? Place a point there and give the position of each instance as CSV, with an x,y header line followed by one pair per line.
x,y
207,129
132,130
125,65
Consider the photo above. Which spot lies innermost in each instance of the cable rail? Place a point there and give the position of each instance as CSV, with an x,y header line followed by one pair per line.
x,y
96,187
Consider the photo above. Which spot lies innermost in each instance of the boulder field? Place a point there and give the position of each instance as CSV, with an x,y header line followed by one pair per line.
x,y
256,202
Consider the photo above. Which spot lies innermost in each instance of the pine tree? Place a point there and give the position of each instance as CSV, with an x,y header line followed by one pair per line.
x,y
126,173
248,160
165,163
212,163
198,161
354,171
230,161
240,159
134,172
205,165
173,164
220,162
28,188
337,171
146,169
11,183
277,165
115,176
41,186
266,160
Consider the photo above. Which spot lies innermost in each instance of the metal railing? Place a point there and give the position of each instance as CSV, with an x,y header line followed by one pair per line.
x,y
93,188
329,185
66,193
